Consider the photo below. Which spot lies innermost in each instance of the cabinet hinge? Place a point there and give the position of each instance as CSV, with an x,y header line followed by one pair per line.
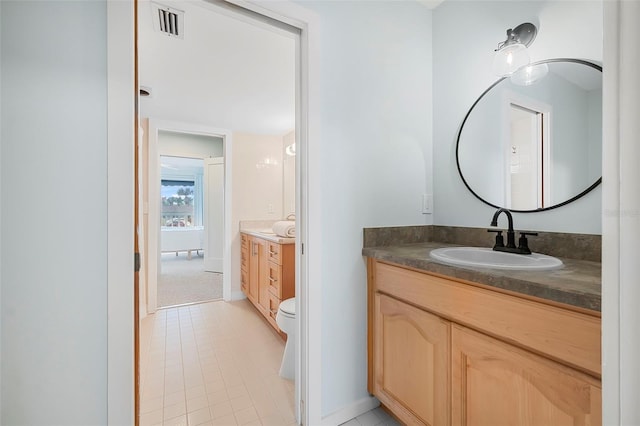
x,y
136,262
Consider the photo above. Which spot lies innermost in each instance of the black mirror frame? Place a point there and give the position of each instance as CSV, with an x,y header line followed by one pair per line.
x,y
555,206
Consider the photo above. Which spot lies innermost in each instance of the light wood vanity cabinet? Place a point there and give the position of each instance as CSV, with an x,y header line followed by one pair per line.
x,y
447,352
494,383
269,274
245,259
411,361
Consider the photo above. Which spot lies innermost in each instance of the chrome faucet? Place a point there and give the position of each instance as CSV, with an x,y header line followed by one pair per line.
x,y
523,245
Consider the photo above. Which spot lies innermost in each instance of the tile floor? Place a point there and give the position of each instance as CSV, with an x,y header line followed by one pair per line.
x,y
217,363
213,363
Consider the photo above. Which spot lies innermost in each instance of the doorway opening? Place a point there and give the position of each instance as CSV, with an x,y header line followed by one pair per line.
x,y
191,209
199,119
527,165
185,221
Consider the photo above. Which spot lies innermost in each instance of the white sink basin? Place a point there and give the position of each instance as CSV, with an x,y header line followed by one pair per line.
x,y
481,257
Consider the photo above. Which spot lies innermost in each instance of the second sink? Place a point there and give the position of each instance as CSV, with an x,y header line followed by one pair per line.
x,y
482,257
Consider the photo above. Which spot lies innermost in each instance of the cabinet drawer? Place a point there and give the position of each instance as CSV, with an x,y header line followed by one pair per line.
x,y
570,337
274,304
275,279
273,253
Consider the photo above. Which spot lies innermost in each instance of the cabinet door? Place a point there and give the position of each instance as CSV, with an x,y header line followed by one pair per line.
x,y
494,383
263,278
257,252
411,366
244,253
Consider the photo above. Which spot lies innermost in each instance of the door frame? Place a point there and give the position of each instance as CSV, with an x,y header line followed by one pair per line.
x,y
122,345
206,201
308,281
153,236
510,98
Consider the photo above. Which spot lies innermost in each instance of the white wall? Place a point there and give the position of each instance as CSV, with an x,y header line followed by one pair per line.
x,y
256,188
54,265
288,176
372,156
189,145
462,71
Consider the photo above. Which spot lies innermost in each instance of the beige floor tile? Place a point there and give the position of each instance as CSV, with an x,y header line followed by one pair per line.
x,y
225,421
195,391
174,386
267,409
233,381
222,409
150,392
254,422
217,386
197,403
190,382
174,398
274,420
241,403
288,415
237,391
149,405
152,418
208,357
199,417
246,415
211,374
176,421
175,410
217,397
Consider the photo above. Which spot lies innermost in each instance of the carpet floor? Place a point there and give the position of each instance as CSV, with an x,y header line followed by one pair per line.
x,y
185,281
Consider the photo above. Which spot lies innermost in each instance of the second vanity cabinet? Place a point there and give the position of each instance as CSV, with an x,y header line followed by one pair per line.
x,y
267,271
447,352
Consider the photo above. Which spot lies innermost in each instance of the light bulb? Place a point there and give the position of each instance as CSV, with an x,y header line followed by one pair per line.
x,y
510,58
528,75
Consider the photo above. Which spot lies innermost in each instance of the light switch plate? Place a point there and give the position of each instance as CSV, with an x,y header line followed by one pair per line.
x,y
427,203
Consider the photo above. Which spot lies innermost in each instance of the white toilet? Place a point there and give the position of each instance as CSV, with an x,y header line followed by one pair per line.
x,y
286,319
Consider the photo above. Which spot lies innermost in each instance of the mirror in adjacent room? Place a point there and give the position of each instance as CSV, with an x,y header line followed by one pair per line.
x,y
533,142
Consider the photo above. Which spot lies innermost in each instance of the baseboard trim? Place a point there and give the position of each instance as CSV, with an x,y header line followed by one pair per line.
x,y
238,295
351,411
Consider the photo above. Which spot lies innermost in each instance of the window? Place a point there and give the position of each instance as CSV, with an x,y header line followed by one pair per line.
x,y
178,206
181,193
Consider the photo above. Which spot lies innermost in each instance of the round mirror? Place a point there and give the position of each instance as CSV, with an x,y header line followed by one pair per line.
x,y
533,141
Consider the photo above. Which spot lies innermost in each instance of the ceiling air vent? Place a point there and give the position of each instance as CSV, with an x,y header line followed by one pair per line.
x,y
168,21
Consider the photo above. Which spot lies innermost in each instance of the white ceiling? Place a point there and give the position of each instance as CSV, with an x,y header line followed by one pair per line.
x,y
226,73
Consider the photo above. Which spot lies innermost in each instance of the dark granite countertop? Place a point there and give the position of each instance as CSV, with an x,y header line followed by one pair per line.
x,y
578,283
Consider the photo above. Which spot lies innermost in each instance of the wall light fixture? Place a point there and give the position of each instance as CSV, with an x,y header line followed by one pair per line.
x,y
512,53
